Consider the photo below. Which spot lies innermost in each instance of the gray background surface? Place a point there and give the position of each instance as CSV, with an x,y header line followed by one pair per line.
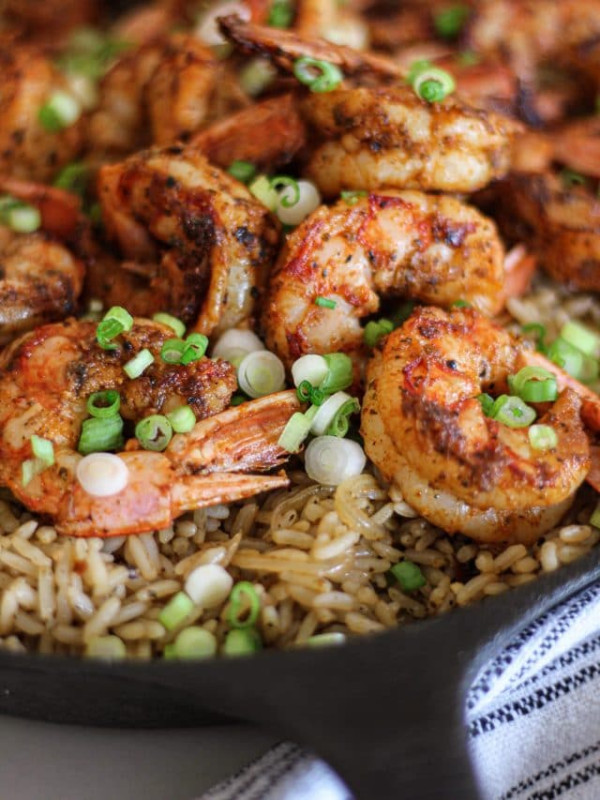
x,y
40,761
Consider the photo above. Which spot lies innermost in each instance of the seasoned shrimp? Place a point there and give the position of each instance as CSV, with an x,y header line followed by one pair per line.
x,y
27,150
198,238
45,380
268,134
49,22
435,249
160,93
425,429
562,226
389,137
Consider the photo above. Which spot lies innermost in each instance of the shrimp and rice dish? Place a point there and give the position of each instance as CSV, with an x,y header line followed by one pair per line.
x,y
299,316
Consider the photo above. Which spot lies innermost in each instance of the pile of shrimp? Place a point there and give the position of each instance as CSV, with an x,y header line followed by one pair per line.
x,y
438,215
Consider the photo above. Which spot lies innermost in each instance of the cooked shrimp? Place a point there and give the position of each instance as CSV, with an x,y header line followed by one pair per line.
x,y
391,138
333,21
45,380
161,93
425,429
198,237
435,249
563,223
27,150
49,22
284,47
268,134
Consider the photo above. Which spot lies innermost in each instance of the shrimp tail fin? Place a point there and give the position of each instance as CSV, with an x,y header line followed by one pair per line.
x,y
240,439
198,491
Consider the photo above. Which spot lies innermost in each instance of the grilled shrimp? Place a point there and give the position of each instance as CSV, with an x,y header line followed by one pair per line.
x,y
425,429
435,249
160,93
198,239
27,150
41,279
45,380
562,226
48,22
389,137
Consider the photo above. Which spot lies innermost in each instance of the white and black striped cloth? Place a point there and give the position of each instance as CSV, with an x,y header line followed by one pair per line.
x,y
533,718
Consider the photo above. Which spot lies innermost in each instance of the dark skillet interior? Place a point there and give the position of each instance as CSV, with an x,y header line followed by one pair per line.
x,y
386,711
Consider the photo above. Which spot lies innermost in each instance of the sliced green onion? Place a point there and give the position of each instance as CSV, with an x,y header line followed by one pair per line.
x,y
566,356
296,430
261,189
408,575
43,449
433,85
238,399
235,344
172,350
460,304
196,345
334,413
104,404
416,68
171,322
256,76
340,375
108,648
194,642
534,385
20,217
513,412
311,368
261,373
571,178
325,302
30,468
59,112
283,181
115,321
99,435
341,422
351,198
450,21
539,331
177,610
241,642
376,330
403,313
296,201
467,58
581,337
209,585
487,403
73,178
281,14
242,171
102,474
136,366
330,460
542,437
326,639
182,419
595,518
319,76
306,393
244,605
154,432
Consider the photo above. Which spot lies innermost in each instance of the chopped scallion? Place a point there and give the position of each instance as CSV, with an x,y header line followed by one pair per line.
x,y
140,362
281,14
115,321
295,431
194,642
242,171
241,642
513,412
319,76
182,419
261,189
433,85
450,21
325,302
196,345
409,576
534,385
376,330
154,432
351,198
43,449
283,181
99,435
177,610
340,375
175,324
244,605
581,337
542,437
61,110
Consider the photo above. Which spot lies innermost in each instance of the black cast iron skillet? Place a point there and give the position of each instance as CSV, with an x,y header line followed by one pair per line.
x,y
386,711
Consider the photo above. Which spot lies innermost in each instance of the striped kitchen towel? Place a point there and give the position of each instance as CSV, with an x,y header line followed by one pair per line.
x,y
533,716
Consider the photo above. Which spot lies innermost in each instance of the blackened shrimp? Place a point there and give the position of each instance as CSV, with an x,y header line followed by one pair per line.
x,y
46,378
425,429
434,249
28,80
197,239
389,137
